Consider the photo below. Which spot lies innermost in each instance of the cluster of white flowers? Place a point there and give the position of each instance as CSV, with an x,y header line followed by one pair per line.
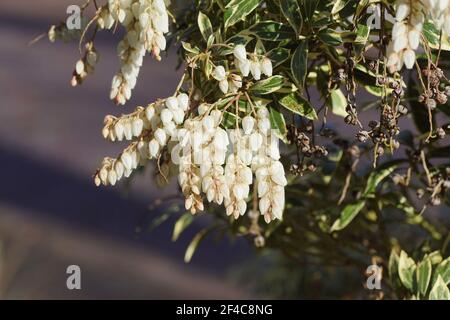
x,y
405,34
227,82
200,149
255,150
440,13
410,17
146,22
255,65
269,171
85,65
151,129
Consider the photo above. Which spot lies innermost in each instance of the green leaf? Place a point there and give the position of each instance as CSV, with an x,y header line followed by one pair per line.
x,y
237,10
272,31
443,270
329,37
204,24
194,244
375,178
310,7
393,264
292,13
278,123
338,103
362,34
299,105
278,56
228,120
182,223
406,269
423,275
268,85
431,33
349,212
339,5
352,209
299,64
188,47
440,290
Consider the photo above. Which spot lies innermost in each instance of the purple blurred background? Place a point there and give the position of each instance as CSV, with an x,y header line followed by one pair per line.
x,y
51,214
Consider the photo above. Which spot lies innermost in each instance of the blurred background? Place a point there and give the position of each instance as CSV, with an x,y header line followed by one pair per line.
x,y
51,214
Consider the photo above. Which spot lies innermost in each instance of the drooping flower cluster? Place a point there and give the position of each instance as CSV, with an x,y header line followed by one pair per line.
x,y
203,146
85,65
200,148
145,22
227,82
269,171
256,66
149,128
440,13
254,151
406,33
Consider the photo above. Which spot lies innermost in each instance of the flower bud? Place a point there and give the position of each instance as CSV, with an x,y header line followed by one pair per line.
x,y
153,148
183,101
119,130
203,108
219,73
166,116
244,67
255,69
118,167
149,112
126,160
138,124
112,177
161,136
127,130
223,85
240,52
248,123
266,67
172,103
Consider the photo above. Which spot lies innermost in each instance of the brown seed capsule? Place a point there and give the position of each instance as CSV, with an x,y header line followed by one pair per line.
x,y
402,109
441,98
373,124
436,201
380,151
446,184
439,73
440,133
420,193
260,241
447,91
381,81
362,136
431,104
394,85
348,119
